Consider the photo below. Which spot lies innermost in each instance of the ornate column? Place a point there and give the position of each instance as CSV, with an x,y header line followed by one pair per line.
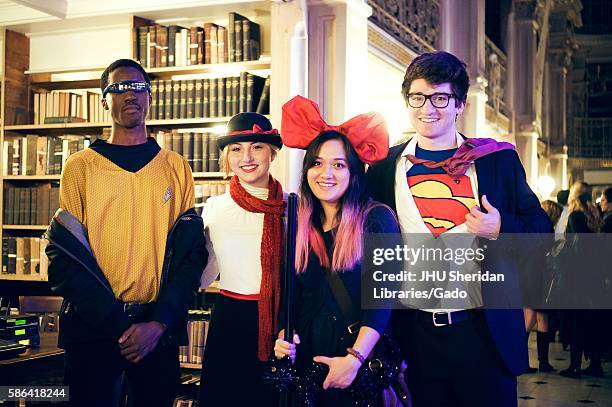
x,y
322,50
555,108
558,166
522,49
562,44
289,40
338,56
462,34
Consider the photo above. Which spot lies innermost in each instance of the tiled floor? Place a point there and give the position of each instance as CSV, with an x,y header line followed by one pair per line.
x,y
552,390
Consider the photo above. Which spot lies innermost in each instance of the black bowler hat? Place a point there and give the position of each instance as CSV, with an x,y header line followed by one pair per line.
x,y
250,127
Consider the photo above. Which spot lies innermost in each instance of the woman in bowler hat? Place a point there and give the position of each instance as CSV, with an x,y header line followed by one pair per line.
x,y
244,229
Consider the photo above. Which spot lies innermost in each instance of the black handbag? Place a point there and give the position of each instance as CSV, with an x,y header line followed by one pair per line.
x,y
380,380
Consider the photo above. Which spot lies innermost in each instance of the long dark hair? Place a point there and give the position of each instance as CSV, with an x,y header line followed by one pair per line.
x,y
353,209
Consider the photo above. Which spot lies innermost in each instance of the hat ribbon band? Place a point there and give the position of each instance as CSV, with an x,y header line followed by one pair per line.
x,y
255,130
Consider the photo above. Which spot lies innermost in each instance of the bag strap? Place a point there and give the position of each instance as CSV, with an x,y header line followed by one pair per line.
x,y
351,316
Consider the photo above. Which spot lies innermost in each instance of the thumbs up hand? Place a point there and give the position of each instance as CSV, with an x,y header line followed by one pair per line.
x,y
483,224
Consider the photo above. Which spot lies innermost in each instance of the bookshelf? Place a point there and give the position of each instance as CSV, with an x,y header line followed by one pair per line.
x,y
197,366
24,227
39,95
89,127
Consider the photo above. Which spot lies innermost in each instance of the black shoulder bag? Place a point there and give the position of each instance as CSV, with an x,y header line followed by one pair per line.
x,y
380,379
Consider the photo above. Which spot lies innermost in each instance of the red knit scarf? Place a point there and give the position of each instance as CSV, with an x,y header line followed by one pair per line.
x,y
271,245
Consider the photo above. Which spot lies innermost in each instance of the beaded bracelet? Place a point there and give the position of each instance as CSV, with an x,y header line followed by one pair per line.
x,y
357,354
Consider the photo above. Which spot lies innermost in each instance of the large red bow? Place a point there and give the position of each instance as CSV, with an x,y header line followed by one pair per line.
x,y
302,123
255,130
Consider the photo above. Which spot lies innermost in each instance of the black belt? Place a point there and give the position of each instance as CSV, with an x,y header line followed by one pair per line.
x,y
135,310
444,318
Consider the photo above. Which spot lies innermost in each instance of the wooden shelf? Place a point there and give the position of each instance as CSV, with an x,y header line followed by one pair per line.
x,y
187,122
90,77
217,70
22,277
88,127
44,128
191,365
25,227
31,177
209,175
64,85
98,69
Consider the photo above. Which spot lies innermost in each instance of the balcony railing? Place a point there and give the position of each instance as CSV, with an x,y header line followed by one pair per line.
x,y
496,64
414,23
590,138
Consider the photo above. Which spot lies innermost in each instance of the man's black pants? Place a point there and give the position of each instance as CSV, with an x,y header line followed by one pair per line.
x,y
454,365
94,373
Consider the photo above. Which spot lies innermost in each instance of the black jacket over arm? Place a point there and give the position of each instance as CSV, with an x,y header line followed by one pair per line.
x,y
91,312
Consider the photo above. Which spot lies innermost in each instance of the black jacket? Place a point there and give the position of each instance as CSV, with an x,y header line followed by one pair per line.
x,y
501,178
90,311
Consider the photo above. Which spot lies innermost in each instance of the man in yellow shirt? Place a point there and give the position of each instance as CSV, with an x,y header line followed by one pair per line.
x,y
126,252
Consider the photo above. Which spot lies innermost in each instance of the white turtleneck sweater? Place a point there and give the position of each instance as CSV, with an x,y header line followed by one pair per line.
x,y
234,243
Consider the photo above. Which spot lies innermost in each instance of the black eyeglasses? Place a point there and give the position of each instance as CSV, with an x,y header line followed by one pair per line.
x,y
439,100
126,86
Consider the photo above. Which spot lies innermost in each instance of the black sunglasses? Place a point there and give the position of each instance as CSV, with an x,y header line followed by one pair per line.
x,y
126,86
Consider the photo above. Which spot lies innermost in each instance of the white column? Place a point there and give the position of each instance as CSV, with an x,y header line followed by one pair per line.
x,y
521,76
558,167
338,57
462,33
289,43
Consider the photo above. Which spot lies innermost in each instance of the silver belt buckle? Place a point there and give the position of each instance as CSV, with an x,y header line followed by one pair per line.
x,y
433,317
131,308
354,327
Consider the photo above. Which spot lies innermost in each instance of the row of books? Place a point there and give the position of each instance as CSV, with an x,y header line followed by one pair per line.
x,y
215,97
24,256
46,155
37,205
199,149
171,99
40,155
197,329
69,107
30,205
162,46
204,190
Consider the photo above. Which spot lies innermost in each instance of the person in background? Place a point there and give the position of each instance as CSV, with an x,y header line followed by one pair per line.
x,y
606,209
334,211
562,197
126,251
582,325
245,229
539,318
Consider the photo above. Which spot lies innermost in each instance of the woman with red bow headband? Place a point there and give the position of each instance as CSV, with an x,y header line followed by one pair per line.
x,y
244,228
334,211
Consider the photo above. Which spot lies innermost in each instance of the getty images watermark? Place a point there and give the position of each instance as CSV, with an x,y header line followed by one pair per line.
x,y
461,271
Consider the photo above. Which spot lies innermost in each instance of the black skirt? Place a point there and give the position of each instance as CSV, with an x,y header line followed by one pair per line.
x,y
231,371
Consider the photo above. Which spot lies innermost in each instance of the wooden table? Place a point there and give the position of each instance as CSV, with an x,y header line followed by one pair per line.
x,y
36,366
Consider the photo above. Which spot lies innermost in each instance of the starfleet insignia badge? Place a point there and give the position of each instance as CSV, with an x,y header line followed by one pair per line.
x,y
168,194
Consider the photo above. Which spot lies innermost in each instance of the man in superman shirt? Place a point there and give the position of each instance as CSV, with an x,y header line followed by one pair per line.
x,y
441,182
